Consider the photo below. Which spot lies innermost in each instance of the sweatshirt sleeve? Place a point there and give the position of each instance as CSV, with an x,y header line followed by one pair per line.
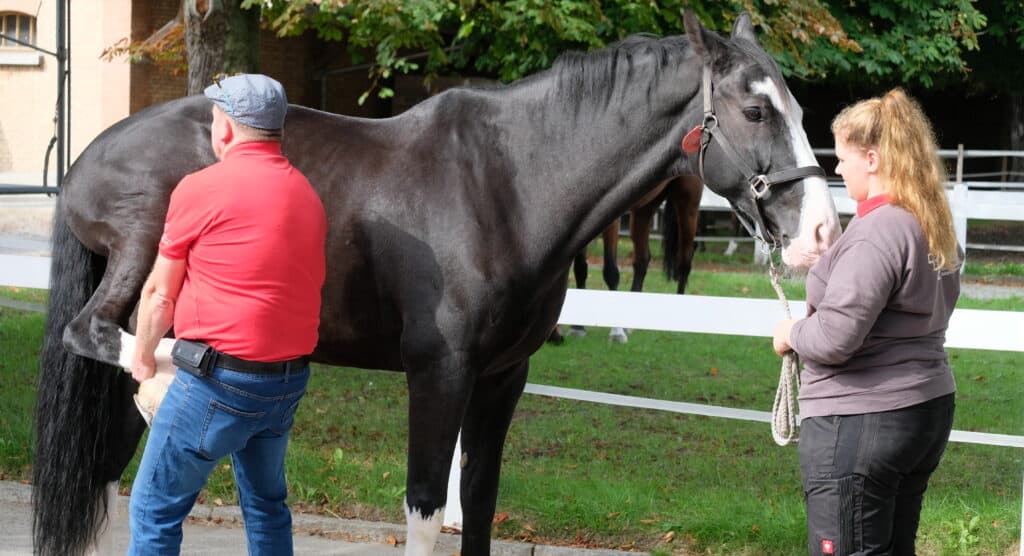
x,y
859,286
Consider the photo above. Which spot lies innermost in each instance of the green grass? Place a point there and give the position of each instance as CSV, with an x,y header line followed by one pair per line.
x,y
578,472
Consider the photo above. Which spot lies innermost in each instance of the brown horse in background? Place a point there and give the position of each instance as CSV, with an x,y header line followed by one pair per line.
x,y
681,196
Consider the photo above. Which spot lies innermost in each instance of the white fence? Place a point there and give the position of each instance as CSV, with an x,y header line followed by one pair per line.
x,y
974,329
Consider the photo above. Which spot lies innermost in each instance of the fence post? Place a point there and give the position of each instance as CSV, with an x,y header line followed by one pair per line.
x,y
958,206
453,508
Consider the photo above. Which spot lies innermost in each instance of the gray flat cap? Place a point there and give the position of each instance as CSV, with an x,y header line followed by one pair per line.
x,y
251,99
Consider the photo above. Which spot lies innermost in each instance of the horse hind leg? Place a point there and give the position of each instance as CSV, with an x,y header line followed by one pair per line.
x,y
484,428
86,426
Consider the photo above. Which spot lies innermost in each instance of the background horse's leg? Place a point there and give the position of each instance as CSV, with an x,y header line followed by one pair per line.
x,y
686,202
640,231
438,392
610,239
580,268
484,428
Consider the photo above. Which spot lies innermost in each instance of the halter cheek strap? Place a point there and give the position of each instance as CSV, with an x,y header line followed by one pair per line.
x,y
760,184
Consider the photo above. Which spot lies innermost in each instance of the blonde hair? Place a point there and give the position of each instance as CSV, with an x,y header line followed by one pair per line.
x,y
909,165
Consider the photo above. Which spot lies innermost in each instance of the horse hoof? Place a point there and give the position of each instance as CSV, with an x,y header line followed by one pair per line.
x,y
147,415
577,332
618,336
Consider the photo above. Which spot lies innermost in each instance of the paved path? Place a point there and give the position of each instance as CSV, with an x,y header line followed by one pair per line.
x,y
217,531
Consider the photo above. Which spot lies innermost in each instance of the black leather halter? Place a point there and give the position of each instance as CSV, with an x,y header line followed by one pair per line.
x,y
760,184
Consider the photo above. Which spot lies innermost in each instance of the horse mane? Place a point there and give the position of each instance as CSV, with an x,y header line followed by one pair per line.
x,y
594,75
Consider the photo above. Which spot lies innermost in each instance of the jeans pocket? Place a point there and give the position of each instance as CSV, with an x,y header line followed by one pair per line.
x,y
225,430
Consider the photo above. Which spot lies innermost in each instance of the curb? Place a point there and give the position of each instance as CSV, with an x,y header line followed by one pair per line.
x,y
339,529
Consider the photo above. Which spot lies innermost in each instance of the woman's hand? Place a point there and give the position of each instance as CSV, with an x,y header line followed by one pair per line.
x,y
780,338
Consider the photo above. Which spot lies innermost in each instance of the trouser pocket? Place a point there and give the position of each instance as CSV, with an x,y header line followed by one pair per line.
x,y
833,510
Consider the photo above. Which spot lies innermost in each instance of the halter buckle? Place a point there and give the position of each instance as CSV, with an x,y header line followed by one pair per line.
x,y
759,186
710,122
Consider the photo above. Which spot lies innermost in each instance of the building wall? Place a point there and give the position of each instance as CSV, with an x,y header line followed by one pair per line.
x,y
104,92
28,94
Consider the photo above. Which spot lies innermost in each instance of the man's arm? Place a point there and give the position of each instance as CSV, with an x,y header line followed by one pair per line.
x,y
156,313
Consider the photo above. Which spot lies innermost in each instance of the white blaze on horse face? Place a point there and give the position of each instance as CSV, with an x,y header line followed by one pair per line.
x,y
421,531
819,223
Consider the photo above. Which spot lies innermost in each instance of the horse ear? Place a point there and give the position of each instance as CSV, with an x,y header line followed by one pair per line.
x,y
701,40
744,29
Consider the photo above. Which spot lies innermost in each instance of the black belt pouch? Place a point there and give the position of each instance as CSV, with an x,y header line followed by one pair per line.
x,y
193,357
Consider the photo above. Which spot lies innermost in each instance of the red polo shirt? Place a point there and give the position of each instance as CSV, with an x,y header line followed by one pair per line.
x,y
251,230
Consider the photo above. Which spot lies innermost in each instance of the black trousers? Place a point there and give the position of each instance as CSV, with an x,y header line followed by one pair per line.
x,y
864,477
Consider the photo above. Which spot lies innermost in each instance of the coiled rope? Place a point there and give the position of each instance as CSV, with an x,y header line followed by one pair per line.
x,y
784,409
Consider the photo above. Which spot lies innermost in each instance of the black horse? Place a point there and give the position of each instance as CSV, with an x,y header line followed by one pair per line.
x,y
451,231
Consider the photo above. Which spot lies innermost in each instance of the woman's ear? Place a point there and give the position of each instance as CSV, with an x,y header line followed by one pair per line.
x,y
873,159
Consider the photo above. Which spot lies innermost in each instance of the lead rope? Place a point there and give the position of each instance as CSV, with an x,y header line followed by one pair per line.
x,y
784,408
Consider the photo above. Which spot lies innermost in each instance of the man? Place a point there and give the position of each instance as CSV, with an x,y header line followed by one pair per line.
x,y
239,273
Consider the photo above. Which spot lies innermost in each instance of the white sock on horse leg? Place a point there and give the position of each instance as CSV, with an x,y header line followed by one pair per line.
x,y
151,391
163,353
104,544
421,531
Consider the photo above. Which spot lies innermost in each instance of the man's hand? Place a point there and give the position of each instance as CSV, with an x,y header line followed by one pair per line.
x,y
143,365
780,338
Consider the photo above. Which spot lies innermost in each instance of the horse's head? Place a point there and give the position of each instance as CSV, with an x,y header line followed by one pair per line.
x,y
752,149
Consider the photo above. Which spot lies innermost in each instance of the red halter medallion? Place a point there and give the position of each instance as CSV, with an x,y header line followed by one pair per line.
x,y
691,143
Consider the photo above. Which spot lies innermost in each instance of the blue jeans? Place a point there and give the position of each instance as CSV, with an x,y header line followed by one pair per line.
x,y
200,421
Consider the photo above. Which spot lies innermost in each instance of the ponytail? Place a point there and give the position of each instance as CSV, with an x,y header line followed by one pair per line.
x,y
910,166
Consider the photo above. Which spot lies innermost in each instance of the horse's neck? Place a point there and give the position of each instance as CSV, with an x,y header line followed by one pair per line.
x,y
581,166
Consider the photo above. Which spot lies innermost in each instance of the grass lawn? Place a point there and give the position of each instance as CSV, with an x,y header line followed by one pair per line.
x,y
597,475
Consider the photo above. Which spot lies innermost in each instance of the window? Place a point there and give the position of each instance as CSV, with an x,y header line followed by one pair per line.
x,y
19,26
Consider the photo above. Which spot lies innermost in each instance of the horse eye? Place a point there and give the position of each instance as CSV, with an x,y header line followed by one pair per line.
x,y
752,113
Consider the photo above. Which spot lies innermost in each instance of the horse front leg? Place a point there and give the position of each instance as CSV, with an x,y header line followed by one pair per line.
x,y
484,428
437,401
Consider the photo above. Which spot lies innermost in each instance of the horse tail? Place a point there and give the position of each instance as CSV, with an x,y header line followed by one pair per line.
x,y
77,415
670,240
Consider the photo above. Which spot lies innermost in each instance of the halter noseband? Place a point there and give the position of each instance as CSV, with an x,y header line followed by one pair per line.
x,y
760,184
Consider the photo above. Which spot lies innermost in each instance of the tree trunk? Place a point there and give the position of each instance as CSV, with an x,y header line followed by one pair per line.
x,y
1017,134
220,37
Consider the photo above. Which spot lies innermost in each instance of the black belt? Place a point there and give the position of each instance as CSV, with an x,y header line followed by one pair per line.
x,y
233,363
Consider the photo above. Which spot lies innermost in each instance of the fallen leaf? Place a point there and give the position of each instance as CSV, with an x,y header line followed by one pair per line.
x,y
386,475
392,540
979,378
669,536
500,518
613,515
755,528
713,371
226,467
218,502
995,524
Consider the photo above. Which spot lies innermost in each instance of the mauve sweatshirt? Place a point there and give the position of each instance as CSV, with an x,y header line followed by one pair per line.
x,y
877,314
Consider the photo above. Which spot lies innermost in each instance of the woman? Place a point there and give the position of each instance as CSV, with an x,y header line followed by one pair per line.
x,y
877,390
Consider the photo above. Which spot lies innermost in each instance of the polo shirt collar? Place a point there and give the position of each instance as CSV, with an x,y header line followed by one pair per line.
x,y
871,203
254,148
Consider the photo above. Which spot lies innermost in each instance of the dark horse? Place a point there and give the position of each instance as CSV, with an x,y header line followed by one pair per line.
x,y
451,231
681,196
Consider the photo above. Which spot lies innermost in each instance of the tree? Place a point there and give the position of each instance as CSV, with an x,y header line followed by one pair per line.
x,y
513,38
206,38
